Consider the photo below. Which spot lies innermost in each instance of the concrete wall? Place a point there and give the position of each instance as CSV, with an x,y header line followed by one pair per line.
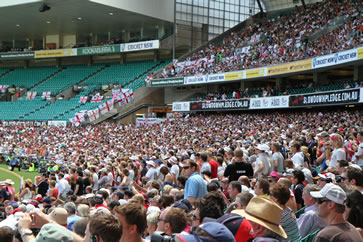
x,y
69,40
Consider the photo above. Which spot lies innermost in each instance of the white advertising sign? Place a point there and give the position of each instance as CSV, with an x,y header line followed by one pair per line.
x,y
361,95
195,79
181,106
269,102
145,45
335,59
216,77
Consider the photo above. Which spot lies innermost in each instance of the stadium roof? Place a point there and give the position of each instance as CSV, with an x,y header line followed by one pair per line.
x,y
22,21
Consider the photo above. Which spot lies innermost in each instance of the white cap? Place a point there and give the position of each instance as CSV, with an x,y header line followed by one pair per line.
x,y
332,192
263,148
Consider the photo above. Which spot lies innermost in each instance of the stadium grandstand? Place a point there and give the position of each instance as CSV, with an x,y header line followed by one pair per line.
x,y
181,120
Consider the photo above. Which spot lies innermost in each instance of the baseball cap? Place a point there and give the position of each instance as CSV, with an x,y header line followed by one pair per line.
x,y
240,227
149,162
216,230
332,192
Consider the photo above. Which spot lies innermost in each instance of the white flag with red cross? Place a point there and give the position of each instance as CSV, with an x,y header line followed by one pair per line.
x,y
45,95
93,114
31,95
83,99
106,106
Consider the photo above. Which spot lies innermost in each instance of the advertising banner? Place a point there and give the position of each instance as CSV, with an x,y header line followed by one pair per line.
x,y
233,76
137,46
219,105
335,59
96,50
360,53
58,123
195,79
167,82
17,55
55,53
269,102
255,73
148,121
181,107
361,95
216,77
289,67
336,97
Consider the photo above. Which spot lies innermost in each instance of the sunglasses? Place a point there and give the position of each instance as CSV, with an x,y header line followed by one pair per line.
x,y
321,201
186,167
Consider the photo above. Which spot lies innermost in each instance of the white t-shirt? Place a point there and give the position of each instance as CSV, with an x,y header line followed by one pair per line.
x,y
358,153
175,170
298,159
150,173
338,154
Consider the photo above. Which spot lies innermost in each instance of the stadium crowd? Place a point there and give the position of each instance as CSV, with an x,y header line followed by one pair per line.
x,y
279,41
239,177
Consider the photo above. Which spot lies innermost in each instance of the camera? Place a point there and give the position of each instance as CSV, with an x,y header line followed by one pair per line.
x,y
162,237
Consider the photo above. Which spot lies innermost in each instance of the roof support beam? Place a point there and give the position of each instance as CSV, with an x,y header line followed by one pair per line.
x,y
303,3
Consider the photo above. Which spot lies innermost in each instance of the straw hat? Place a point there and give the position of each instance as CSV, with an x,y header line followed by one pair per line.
x,y
265,212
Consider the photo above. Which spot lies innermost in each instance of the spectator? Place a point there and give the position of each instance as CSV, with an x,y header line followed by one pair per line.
x,y
72,217
103,227
298,179
195,187
331,208
310,221
172,220
238,167
281,194
133,221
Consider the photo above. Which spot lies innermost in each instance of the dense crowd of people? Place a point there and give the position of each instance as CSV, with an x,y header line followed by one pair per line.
x,y
224,93
278,41
228,177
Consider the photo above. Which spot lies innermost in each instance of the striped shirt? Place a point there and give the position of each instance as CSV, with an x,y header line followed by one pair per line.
x,y
290,226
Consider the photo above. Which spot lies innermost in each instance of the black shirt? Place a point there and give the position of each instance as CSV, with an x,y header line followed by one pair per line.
x,y
298,191
43,188
80,183
234,171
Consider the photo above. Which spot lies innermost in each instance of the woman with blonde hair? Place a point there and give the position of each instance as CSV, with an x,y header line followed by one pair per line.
x,y
26,194
338,150
307,158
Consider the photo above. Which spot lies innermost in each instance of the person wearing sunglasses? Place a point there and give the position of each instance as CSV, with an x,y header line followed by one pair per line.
x,y
195,187
331,207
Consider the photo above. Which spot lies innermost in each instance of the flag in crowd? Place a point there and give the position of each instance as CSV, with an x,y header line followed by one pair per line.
x,y
83,99
45,95
31,95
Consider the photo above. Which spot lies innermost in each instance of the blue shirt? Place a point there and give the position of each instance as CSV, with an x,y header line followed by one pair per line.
x,y
195,186
71,220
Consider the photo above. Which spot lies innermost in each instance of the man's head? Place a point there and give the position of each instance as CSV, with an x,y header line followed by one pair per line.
x,y
133,219
234,188
172,220
238,154
70,207
306,196
353,176
280,193
243,199
341,165
189,167
262,187
152,222
330,200
103,228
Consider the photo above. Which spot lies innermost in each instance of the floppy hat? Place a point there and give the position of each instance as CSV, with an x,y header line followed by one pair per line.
x,y
54,232
265,212
59,215
9,181
332,192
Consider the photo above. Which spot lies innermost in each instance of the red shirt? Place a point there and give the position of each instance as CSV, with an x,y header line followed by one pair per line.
x,y
214,167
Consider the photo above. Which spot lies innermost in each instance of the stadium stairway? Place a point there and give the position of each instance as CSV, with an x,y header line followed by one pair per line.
x,y
4,72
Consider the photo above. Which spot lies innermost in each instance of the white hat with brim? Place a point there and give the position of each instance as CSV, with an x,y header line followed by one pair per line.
x,y
9,181
265,212
332,192
263,147
150,162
